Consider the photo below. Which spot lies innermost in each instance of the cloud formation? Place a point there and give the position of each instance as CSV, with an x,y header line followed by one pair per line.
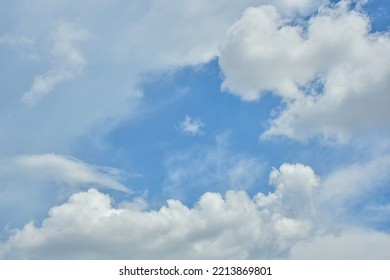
x,y
67,60
70,171
283,224
191,126
32,184
217,227
328,70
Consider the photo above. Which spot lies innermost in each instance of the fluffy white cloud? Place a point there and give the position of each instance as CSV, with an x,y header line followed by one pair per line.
x,y
68,62
329,70
295,188
229,226
259,53
191,126
285,223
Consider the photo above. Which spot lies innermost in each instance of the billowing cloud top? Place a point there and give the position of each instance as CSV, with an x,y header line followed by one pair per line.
x,y
87,226
329,69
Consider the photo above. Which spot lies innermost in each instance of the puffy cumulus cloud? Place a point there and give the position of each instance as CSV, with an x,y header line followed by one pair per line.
x,y
295,186
212,168
328,69
57,168
191,126
351,244
68,62
285,223
259,53
87,226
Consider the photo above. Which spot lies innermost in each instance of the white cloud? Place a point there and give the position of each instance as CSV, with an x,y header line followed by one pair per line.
x,y
328,70
285,223
88,226
68,62
295,188
192,126
67,170
257,55
32,184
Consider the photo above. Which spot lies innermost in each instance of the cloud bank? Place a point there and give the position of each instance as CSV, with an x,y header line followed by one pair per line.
x,y
281,224
230,226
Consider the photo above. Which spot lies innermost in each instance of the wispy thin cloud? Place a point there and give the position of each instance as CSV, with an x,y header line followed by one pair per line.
x,y
192,126
68,63
65,169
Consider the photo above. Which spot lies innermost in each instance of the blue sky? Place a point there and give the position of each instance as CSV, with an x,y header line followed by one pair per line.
x,y
195,129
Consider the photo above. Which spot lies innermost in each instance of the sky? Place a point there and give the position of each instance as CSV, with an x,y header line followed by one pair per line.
x,y
254,129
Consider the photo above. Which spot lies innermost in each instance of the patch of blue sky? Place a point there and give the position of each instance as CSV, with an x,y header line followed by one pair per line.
x,y
371,210
151,138
379,13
